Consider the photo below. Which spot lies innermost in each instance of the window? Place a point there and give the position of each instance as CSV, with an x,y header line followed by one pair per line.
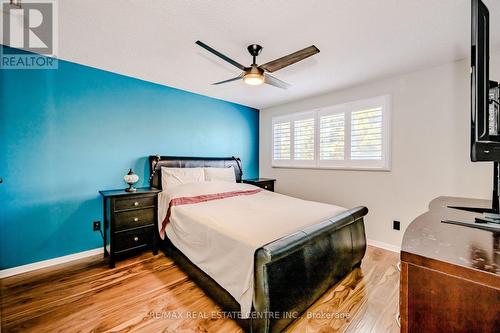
x,y
281,141
348,136
303,139
366,134
331,137
294,139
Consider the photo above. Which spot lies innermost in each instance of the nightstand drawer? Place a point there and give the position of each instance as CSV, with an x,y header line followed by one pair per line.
x,y
267,186
265,183
134,218
133,203
132,239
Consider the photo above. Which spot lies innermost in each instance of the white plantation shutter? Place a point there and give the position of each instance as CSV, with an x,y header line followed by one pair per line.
x,y
332,137
303,139
366,134
281,140
354,135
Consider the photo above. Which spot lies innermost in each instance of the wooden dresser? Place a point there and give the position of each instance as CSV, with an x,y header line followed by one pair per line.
x,y
450,274
129,221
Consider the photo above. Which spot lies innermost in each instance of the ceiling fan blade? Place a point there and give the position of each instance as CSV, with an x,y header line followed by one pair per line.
x,y
229,80
290,59
269,79
220,55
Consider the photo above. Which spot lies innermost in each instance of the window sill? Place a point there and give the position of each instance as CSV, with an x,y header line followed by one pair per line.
x,y
340,168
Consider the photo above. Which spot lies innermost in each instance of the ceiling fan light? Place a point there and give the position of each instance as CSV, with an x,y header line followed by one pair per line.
x,y
253,79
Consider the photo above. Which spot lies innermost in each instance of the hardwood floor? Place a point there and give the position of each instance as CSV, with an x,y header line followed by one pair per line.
x,y
150,294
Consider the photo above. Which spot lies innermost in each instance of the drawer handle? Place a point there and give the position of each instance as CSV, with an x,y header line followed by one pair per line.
x,y
136,203
136,238
265,186
136,219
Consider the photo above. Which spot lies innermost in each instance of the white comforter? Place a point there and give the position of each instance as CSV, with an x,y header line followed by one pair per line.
x,y
221,236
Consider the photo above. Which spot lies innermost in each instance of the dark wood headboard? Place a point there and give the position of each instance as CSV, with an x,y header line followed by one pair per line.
x,y
191,162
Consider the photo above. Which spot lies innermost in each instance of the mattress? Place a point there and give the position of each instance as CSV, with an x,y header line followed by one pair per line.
x,y
221,232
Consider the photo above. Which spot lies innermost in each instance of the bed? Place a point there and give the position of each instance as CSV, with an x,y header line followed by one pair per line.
x,y
291,267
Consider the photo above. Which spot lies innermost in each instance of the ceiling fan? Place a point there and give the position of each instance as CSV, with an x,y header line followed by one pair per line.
x,y
258,74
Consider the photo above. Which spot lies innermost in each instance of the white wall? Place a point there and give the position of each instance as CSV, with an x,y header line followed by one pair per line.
x,y
430,150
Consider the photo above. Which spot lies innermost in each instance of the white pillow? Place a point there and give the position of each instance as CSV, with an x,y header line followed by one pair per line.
x,y
220,174
171,177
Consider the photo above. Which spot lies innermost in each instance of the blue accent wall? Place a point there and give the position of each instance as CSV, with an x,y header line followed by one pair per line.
x,y
67,133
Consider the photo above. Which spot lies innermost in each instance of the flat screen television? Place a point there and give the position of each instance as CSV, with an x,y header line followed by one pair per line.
x,y
485,120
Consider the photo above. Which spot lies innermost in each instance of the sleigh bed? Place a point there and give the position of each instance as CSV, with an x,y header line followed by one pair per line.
x,y
290,272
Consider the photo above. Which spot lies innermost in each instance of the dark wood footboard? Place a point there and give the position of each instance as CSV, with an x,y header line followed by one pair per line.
x,y
291,272
294,271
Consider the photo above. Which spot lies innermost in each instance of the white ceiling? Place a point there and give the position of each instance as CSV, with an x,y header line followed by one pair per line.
x,y
360,40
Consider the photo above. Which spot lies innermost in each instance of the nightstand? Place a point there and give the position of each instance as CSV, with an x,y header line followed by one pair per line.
x,y
129,222
265,183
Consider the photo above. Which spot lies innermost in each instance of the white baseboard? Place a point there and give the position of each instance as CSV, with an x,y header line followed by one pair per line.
x,y
61,260
385,246
49,262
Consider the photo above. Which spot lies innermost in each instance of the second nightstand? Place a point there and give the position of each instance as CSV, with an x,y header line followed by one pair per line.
x,y
129,221
265,183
